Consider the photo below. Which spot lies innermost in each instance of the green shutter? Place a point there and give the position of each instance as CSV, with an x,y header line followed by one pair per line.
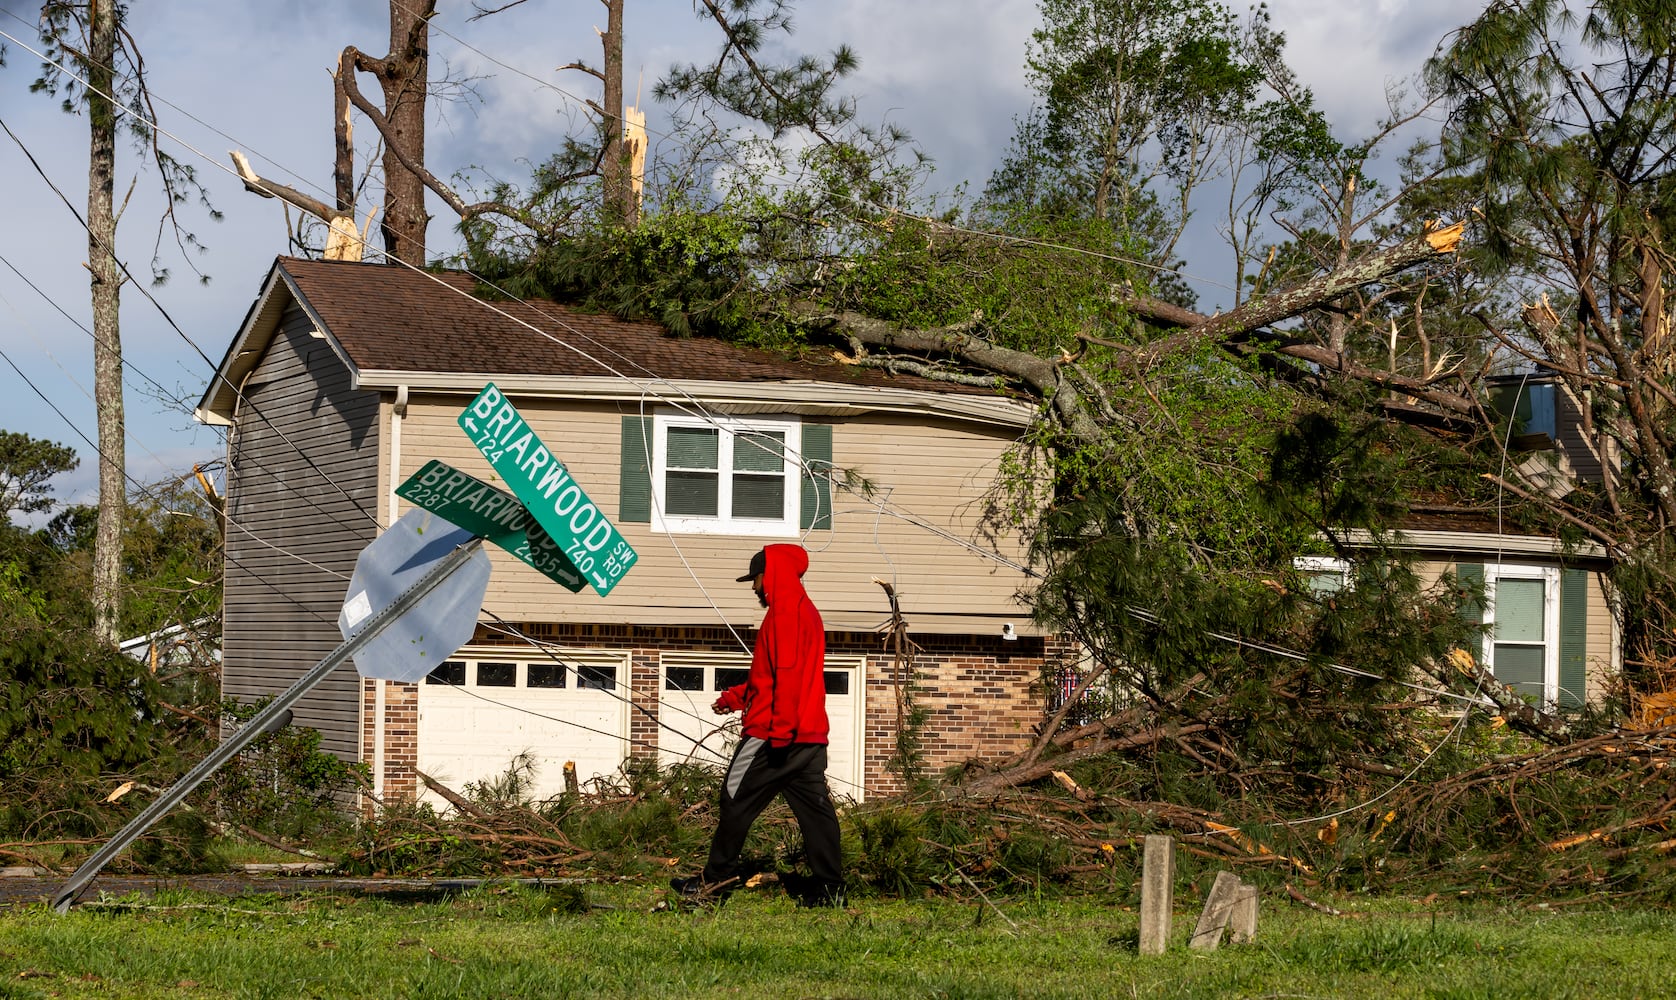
x,y
635,475
1574,637
1471,577
817,489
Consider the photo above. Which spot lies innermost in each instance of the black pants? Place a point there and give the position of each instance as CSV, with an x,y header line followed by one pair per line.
x,y
757,774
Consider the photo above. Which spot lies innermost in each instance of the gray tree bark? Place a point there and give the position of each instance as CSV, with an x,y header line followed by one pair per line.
x,y
107,339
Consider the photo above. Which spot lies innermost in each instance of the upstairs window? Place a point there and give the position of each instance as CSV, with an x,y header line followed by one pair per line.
x,y
1323,575
726,475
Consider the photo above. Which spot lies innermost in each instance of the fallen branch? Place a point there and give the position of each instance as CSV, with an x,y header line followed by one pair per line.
x,y
453,798
1317,907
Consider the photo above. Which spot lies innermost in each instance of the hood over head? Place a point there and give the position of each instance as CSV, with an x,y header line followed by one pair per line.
x,y
783,567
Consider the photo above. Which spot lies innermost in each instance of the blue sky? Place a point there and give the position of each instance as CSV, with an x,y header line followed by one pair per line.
x,y
255,76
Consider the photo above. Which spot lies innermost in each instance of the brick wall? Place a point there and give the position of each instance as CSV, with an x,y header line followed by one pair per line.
x,y
400,779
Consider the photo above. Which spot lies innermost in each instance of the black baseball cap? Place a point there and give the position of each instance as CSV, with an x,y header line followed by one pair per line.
x,y
759,565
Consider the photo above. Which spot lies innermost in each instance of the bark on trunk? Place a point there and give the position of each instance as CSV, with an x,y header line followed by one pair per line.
x,y
1324,288
107,342
404,76
620,205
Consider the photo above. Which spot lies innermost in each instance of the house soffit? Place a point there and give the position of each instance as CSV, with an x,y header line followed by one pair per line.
x,y
804,398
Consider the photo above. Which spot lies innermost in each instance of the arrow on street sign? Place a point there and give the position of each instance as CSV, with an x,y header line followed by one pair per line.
x,y
439,624
537,477
493,514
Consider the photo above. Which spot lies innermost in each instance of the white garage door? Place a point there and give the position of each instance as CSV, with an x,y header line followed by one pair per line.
x,y
483,708
691,732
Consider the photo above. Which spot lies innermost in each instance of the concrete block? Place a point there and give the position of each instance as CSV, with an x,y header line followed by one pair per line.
x,y
1219,906
1158,877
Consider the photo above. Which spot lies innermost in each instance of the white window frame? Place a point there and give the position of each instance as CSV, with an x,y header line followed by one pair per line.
x,y
724,523
1325,564
1550,578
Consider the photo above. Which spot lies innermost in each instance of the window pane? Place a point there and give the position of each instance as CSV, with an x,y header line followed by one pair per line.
x,y
546,675
759,451
1521,668
690,493
837,682
1323,582
683,678
499,675
1519,611
597,678
692,448
450,672
759,496
729,677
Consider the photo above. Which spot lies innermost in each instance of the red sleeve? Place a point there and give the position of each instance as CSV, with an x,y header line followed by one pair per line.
x,y
733,699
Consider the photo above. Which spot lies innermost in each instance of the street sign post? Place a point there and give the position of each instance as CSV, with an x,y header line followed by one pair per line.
x,y
493,514
537,477
434,575
436,626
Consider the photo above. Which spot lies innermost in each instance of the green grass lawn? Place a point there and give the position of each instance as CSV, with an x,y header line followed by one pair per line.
x,y
525,943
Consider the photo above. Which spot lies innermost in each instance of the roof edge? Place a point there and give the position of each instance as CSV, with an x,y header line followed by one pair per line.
x,y
1490,544
220,399
996,410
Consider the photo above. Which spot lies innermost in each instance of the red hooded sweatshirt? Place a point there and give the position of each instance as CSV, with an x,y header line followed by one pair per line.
x,y
784,698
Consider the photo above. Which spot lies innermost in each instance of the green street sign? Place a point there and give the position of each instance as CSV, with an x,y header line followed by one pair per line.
x,y
475,506
556,501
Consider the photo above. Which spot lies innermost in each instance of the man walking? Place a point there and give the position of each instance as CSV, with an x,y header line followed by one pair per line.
x,y
782,746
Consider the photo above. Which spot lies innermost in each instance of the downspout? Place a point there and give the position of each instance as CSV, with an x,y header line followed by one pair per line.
x,y
398,411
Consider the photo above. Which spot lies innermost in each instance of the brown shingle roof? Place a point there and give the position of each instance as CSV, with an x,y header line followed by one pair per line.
x,y
396,319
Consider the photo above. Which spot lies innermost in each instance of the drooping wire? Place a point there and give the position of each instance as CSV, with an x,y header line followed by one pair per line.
x,y
702,412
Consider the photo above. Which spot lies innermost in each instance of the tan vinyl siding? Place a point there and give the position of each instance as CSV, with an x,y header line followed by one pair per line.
x,y
1602,642
281,612
935,470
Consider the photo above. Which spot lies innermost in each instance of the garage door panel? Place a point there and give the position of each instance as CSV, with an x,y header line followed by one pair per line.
x,y
472,732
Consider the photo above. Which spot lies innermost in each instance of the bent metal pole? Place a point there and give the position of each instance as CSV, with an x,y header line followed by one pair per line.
x,y
260,723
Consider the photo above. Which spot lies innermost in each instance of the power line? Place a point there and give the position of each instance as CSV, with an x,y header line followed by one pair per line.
x,y
214,368
702,411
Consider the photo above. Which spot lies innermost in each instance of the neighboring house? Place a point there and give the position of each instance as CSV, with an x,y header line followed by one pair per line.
x,y
1550,630
1550,626
346,378
176,645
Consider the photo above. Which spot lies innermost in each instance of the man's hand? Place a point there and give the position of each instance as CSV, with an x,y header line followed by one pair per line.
x,y
721,709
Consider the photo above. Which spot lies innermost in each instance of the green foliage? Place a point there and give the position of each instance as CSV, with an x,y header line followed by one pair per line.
x,y
683,267
797,95
1132,92
65,702
27,466
171,552
282,784
1560,129
1154,593
894,858
72,712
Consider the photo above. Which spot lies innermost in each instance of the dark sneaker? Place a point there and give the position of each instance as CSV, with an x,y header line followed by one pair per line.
x,y
693,889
